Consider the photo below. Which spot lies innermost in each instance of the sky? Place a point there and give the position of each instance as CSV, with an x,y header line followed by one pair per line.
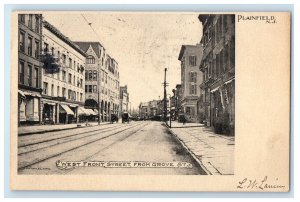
x,y
143,44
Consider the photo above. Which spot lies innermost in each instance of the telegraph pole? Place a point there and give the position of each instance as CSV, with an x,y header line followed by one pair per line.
x,y
165,96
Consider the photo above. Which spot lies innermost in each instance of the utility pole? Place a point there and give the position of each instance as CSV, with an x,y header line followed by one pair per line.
x,y
165,96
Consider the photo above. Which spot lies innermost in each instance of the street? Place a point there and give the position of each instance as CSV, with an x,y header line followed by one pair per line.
x,y
137,141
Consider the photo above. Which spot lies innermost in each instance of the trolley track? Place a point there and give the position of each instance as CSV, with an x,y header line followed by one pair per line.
x,y
61,140
33,161
60,136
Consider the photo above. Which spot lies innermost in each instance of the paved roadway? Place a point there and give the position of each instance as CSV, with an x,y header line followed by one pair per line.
x,y
136,141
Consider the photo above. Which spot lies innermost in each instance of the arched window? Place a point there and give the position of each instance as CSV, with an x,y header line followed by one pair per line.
x,y
90,59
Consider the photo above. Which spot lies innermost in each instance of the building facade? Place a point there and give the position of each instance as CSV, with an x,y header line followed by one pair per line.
x,y
124,99
102,80
144,110
62,78
29,68
191,77
218,67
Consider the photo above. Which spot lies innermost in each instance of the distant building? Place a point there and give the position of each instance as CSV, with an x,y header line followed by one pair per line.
x,y
153,104
30,68
124,99
191,77
218,67
102,80
144,110
63,77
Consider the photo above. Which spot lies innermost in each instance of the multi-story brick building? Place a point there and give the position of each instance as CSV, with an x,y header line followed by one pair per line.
x,y
63,77
191,77
218,67
124,99
102,80
29,77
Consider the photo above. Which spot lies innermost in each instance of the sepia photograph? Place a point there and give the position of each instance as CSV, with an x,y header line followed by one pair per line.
x,y
130,100
126,93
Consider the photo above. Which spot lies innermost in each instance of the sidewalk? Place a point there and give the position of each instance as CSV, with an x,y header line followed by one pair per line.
x,y
215,153
28,130
176,124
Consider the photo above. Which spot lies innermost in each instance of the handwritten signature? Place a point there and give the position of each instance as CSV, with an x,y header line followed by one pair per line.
x,y
259,184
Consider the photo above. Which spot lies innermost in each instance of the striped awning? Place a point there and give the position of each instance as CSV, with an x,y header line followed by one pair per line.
x,y
66,109
81,111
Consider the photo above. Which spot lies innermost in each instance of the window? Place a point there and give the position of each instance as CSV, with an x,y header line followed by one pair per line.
x,y
30,46
36,50
22,71
74,81
46,47
70,78
81,83
95,75
36,77
22,42
94,89
58,56
37,24
63,90
69,94
52,90
57,91
22,18
193,77
90,75
86,75
86,88
64,75
52,51
70,63
80,96
193,89
64,58
29,74
192,60
30,21
90,59
232,52
90,88
58,74
45,89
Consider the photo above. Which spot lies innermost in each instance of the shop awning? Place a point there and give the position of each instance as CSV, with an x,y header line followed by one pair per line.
x,y
49,103
90,112
66,109
32,94
81,111
96,111
229,81
214,90
21,93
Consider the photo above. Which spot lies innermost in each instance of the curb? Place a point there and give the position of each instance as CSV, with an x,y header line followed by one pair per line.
x,y
190,152
55,130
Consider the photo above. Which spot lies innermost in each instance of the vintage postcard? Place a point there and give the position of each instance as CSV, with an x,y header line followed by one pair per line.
x,y
150,101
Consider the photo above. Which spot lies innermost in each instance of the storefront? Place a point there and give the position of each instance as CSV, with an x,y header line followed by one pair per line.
x,y
28,107
66,115
49,113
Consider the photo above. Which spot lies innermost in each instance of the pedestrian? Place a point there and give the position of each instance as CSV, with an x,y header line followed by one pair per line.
x,y
183,120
